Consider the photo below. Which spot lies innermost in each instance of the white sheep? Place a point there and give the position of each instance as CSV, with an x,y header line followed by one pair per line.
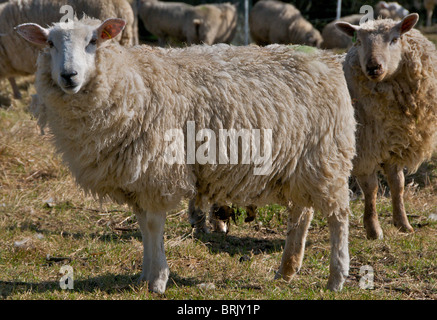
x,y
17,58
334,38
392,77
277,22
120,118
207,23
215,23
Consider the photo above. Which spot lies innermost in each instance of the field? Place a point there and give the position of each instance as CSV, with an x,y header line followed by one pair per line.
x,y
47,222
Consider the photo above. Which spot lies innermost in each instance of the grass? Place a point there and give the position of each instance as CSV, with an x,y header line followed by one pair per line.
x,y
46,222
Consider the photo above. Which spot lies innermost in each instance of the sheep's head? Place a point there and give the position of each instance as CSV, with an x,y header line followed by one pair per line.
x,y
72,47
378,44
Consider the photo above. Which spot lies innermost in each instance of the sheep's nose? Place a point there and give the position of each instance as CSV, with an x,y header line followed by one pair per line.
x,y
68,75
374,69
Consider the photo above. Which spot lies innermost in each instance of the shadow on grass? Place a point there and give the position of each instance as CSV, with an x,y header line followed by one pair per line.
x,y
233,245
108,283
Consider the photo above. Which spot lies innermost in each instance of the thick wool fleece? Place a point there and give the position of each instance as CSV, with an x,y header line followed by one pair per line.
x,y
111,133
397,118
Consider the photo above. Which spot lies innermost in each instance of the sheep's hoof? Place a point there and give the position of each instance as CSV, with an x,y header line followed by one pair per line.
x,y
157,285
404,227
335,283
373,230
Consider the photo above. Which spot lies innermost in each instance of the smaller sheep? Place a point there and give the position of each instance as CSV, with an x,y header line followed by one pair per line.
x,y
208,23
167,20
215,23
392,78
278,22
334,38
219,217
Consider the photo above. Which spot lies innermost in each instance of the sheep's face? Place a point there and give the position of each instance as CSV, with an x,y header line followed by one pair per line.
x,y
378,45
72,47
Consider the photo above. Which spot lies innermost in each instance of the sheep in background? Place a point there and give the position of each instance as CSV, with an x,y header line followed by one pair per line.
x,y
334,38
207,23
111,110
392,77
215,23
429,6
17,58
277,22
219,217
167,20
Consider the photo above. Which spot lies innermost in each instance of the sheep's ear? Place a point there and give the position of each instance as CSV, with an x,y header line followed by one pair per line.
x,y
407,23
347,28
33,33
110,28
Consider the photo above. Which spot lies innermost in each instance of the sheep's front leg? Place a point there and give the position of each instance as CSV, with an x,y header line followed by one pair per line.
x,y
369,185
396,182
155,268
339,264
299,220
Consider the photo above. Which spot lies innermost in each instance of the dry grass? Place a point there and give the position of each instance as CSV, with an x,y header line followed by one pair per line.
x,y
46,222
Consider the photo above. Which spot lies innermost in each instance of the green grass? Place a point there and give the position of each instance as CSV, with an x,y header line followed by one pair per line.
x,y
102,243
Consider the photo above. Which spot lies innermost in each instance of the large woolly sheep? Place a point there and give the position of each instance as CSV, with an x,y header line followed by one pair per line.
x,y
277,22
17,58
334,38
392,77
119,117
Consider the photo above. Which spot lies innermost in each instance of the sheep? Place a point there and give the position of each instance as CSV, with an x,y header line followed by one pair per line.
x,y
334,38
392,80
208,23
17,58
215,23
219,217
277,22
429,6
167,19
120,117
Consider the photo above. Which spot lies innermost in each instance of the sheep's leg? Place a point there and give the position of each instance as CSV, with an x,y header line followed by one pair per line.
x,y
429,18
299,219
15,90
339,264
369,185
396,182
155,268
197,217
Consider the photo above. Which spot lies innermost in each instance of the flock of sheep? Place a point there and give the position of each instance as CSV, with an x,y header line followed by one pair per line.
x,y
109,106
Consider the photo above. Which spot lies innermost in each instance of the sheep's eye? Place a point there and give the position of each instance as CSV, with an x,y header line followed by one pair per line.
x,y
50,43
394,40
93,41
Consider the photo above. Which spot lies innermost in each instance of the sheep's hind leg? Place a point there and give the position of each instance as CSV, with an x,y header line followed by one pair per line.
x,y
299,219
369,185
15,90
155,267
339,263
396,181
